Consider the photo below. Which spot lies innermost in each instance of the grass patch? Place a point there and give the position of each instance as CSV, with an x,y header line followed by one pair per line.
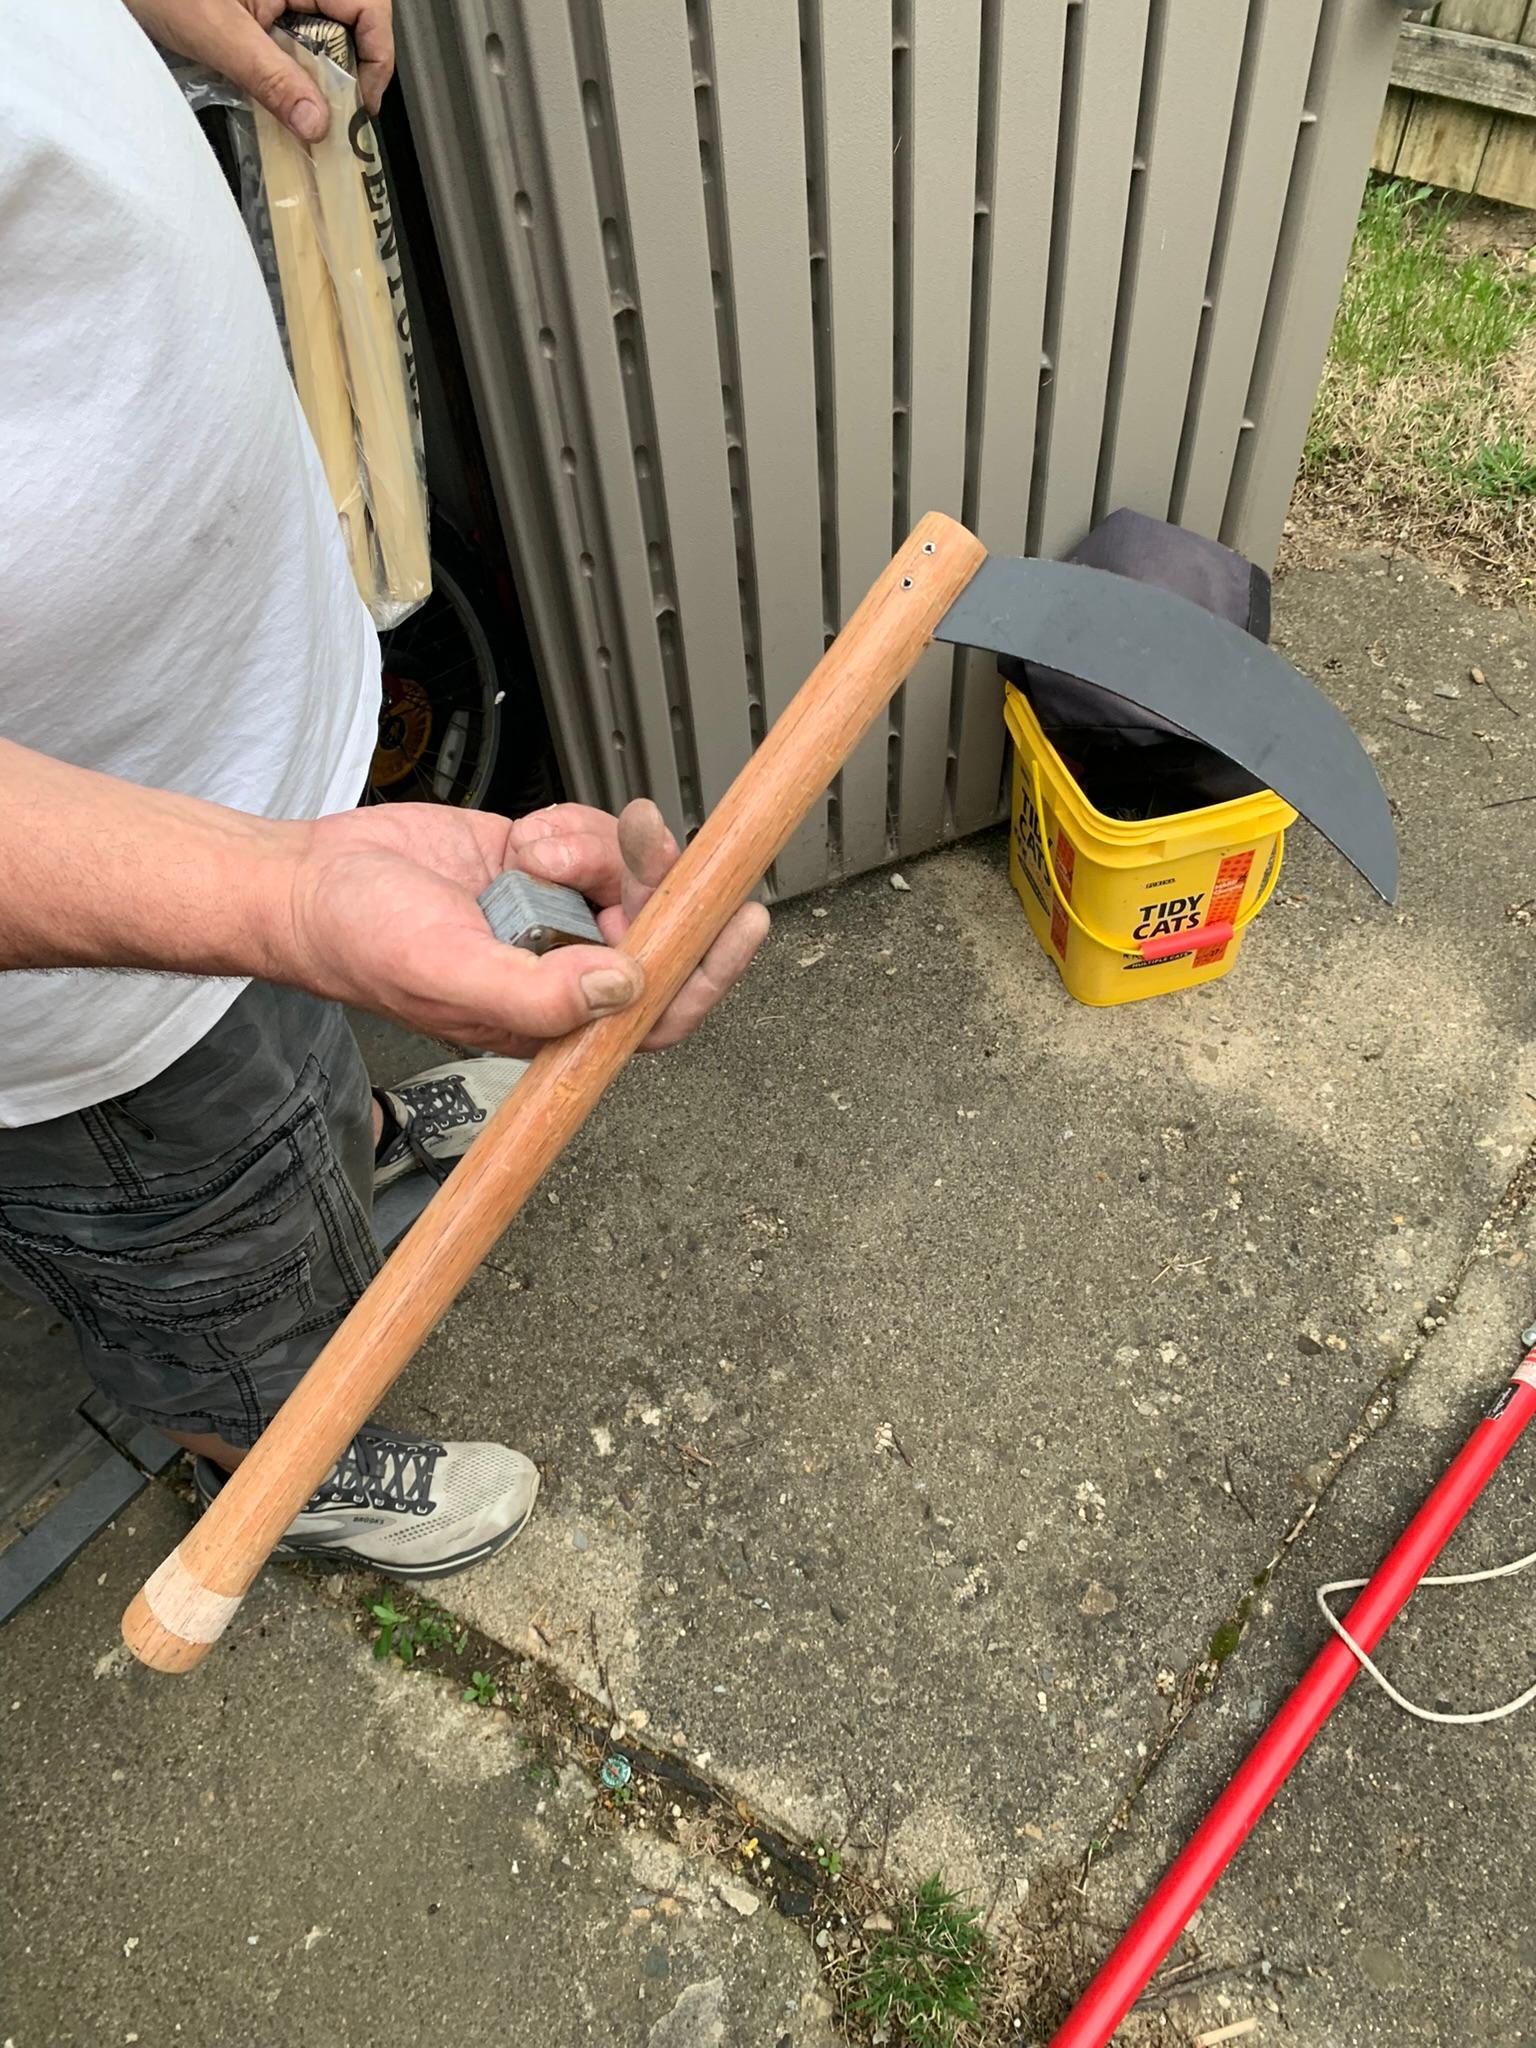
x,y
1505,468
922,1983
1411,300
1424,432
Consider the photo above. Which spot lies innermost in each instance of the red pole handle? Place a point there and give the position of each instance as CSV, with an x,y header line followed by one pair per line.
x,y
1170,943
1280,1748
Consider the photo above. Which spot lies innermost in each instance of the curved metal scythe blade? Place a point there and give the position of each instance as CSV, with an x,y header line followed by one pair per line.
x,y
1215,682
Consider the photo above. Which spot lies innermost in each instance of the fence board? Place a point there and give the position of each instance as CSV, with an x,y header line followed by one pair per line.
x,y
1395,109
1162,293
1475,71
941,146
1007,334
651,74
855,167
1509,162
1443,143
761,138
1503,20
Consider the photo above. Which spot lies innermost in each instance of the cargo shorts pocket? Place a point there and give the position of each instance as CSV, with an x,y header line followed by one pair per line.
x,y
242,1265
233,1316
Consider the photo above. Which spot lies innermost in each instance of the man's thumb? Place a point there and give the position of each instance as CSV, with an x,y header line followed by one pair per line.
x,y
519,995
254,62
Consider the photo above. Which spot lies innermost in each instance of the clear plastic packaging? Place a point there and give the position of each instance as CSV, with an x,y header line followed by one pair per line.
x,y
320,218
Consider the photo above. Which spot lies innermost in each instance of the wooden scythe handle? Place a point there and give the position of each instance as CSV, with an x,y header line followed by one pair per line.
x,y
187,1603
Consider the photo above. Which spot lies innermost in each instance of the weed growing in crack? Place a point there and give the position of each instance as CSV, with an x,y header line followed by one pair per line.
x,y
922,1982
410,1633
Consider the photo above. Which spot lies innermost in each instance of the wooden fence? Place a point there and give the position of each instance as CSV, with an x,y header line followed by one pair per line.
x,y
1461,111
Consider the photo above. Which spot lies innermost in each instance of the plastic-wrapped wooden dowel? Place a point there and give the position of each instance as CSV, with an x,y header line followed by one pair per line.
x,y
314,333
189,1600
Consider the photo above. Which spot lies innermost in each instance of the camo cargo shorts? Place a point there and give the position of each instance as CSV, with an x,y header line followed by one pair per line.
x,y
204,1234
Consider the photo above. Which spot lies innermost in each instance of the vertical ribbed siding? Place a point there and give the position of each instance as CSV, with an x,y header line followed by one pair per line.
x,y
943,61
1282,35
517,215
1168,261
855,195
746,285
900,346
818,234
1021,85
650,75
1098,146
608,341
763,271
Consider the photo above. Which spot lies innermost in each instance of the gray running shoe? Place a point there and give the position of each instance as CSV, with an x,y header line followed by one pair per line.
x,y
409,1509
439,1114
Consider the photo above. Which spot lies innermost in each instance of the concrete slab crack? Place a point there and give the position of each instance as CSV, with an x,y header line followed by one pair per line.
x,y
1200,1678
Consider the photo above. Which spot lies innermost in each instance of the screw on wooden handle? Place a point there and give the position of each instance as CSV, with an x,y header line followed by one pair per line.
x,y
173,1620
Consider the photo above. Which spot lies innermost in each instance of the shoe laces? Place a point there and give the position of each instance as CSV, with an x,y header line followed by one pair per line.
x,y
393,1473
433,1107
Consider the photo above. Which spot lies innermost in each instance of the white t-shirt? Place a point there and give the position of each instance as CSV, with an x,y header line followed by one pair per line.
x,y
176,605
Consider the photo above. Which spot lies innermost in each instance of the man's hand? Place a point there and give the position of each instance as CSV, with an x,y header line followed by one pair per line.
x,y
383,916
230,37
374,907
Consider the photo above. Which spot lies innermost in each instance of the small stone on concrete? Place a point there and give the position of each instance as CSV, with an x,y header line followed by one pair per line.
x,y
738,1898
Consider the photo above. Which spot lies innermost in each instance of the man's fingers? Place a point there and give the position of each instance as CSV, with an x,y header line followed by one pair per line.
x,y
716,974
647,846
584,861
374,39
556,820
648,849
610,862
234,43
506,999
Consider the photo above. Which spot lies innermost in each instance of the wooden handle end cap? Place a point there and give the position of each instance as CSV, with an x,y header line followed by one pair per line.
x,y
173,1618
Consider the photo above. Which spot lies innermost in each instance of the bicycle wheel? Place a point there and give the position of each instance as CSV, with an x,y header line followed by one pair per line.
x,y
440,721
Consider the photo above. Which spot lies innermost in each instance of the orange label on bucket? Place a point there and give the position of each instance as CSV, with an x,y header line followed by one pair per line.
x,y
1066,857
1231,880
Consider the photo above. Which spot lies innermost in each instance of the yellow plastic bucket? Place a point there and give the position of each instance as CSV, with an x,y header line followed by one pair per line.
x,y
1129,910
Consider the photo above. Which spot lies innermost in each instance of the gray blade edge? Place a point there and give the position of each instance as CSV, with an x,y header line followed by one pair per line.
x,y
1215,682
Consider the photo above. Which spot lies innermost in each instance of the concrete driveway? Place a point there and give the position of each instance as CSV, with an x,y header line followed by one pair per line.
x,y
949,1398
